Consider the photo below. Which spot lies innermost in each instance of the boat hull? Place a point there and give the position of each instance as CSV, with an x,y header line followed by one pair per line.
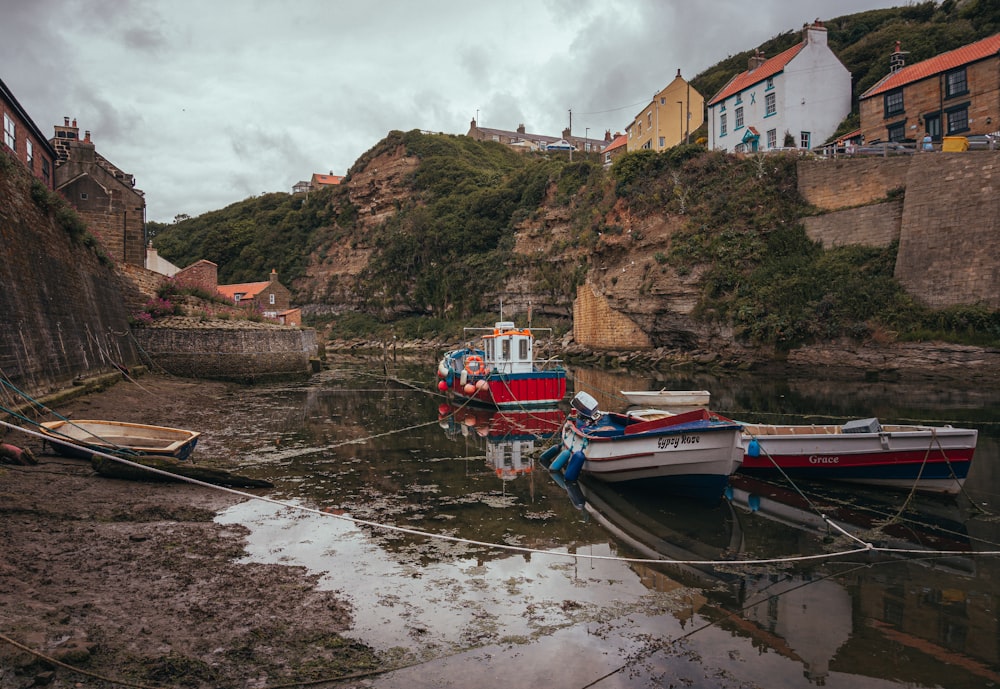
x,y
667,398
513,390
694,457
928,459
79,439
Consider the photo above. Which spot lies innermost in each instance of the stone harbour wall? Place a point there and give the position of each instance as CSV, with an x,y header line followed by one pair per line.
x,y
247,355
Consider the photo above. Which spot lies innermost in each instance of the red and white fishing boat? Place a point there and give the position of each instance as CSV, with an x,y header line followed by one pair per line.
x,y
933,459
501,370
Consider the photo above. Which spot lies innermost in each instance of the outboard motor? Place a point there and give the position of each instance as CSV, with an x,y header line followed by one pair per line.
x,y
586,406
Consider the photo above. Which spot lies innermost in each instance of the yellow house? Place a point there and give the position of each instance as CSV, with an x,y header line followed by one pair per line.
x,y
669,119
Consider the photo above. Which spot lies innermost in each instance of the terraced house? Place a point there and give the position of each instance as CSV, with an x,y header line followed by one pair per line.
x,y
23,140
794,99
953,94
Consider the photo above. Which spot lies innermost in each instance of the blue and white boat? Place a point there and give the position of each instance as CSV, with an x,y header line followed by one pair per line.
x,y
693,452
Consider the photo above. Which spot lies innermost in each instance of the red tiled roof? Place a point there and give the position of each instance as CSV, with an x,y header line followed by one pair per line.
x,y
247,289
747,79
618,142
973,52
326,179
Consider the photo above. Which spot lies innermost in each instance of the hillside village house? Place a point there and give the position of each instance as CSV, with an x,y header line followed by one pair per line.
x,y
103,196
669,119
617,147
519,139
271,298
804,91
954,93
23,140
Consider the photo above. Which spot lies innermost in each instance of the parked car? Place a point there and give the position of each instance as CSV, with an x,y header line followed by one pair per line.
x,y
886,148
981,142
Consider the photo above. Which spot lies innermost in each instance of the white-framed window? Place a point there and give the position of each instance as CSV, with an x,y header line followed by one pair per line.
x,y
805,140
29,152
770,104
739,118
9,132
270,298
722,124
772,138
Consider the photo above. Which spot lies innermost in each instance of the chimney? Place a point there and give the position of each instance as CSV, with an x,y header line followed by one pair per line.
x,y
520,128
756,60
65,121
678,72
607,135
566,133
898,58
86,137
815,34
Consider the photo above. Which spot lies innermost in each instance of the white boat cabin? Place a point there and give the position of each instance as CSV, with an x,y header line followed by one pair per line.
x,y
509,350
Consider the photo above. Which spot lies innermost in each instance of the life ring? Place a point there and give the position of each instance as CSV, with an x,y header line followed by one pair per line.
x,y
474,365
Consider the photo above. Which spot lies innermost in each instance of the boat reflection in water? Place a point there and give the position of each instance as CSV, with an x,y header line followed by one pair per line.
x,y
807,610
509,438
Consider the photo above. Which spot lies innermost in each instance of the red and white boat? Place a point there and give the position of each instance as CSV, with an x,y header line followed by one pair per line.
x,y
502,371
933,459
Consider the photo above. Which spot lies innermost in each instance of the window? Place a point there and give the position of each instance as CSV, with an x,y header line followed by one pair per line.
x,y
932,125
649,119
772,138
270,299
663,142
739,118
30,155
805,140
896,132
522,349
739,98
770,106
769,84
893,103
722,124
45,170
958,120
9,132
505,349
955,84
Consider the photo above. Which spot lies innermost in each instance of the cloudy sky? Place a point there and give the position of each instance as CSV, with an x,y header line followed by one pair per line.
x,y
208,102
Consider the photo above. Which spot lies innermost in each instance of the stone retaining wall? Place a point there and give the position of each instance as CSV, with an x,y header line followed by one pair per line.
x,y
247,355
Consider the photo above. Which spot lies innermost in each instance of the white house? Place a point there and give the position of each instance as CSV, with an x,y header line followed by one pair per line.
x,y
804,91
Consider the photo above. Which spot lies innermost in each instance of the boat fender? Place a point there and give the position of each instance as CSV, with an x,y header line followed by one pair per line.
x,y
549,453
575,466
442,370
560,460
463,378
753,449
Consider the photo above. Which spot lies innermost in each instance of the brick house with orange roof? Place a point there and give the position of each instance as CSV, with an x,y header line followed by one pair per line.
x,y
803,92
270,298
954,93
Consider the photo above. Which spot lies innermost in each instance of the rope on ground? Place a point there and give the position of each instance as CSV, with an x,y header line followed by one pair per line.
x,y
867,547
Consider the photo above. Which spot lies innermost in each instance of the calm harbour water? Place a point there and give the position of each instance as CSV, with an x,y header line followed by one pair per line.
x,y
568,603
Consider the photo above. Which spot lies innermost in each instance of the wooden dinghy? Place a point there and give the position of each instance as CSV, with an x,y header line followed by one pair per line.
x,y
79,438
111,468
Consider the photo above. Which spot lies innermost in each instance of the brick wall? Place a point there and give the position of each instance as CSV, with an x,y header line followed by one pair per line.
x,y
875,225
204,274
947,248
597,325
839,183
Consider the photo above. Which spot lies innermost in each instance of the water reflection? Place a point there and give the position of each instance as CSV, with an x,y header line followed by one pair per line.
x,y
372,449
